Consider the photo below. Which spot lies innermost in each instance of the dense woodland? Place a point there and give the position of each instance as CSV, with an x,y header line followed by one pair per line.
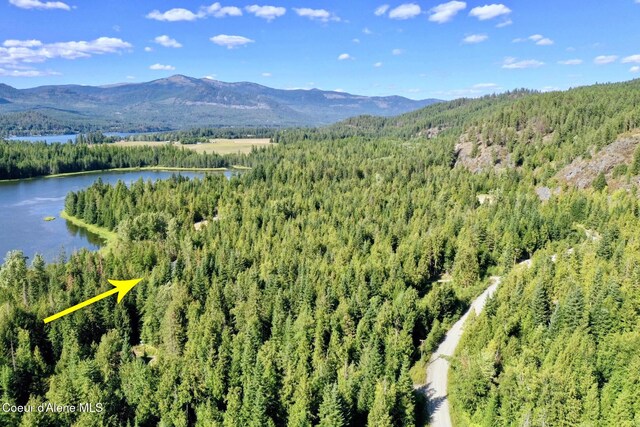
x,y
49,121
38,123
559,344
193,136
310,296
27,159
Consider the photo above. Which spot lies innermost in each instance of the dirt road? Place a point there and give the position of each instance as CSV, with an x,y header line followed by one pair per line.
x,y
438,368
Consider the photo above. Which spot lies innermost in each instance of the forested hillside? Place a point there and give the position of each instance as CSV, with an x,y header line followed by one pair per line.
x,y
559,344
312,289
538,132
181,102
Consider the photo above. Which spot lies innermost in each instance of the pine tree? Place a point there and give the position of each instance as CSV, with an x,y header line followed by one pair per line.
x,y
635,164
331,410
466,270
405,406
540,305
600,183
233,414
383,402
574,308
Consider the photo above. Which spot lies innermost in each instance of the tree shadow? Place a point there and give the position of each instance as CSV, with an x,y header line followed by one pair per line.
x,y
426,404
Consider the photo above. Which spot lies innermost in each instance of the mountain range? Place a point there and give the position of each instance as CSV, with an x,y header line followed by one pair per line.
x,y
179,102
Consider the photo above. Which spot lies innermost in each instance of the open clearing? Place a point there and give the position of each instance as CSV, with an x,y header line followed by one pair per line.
x,y
217,145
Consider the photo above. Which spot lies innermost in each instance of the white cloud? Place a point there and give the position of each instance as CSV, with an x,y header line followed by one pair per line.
x,y
174,15
538,39
26,73
148,49
321,15
504,23
381,10
210,77
218,11
475,38
397,52
605,59
377,65
631,59
131,77
405,11
167,41
22,43
571,62
34,51
162,67
445,12
514,64
367,31
37,4
180,14
230,42
489,11
266,12
344,57
266,74
635,68
356,41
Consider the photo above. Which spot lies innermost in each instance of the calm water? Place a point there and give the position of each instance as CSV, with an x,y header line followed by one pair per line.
x,y
24,204
50,139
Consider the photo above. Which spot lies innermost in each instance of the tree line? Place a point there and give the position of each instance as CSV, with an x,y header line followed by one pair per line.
x,y
27,159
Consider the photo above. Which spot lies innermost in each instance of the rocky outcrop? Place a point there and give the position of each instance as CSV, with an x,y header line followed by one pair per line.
x,y
582,172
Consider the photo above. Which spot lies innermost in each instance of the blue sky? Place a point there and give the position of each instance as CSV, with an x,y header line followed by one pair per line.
x,y
419,49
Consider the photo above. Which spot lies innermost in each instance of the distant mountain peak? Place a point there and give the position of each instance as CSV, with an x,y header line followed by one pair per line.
x,y
178,79
180,101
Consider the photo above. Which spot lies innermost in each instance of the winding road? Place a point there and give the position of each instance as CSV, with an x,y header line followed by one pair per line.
x,y
435,389
438,368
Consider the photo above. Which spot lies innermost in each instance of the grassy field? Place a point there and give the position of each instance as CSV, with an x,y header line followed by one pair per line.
x,y
218,145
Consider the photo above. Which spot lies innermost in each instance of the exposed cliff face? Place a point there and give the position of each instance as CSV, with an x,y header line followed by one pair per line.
x,y
478,156
610,161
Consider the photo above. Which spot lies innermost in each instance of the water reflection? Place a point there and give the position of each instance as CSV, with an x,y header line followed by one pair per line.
x,y
83,233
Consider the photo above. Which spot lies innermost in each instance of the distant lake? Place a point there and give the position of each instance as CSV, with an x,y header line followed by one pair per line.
x,y
50,139
24,205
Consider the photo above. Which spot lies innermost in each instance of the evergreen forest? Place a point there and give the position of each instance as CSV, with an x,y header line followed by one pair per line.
x,y
312,289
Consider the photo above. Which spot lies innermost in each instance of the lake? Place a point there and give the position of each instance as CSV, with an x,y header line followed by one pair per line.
x,y
50,139
24,205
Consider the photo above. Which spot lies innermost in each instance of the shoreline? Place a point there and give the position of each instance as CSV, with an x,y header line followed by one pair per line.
x,y
109,237
131,169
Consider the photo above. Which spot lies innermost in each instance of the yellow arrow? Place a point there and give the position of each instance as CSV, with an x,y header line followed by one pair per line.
x,y
121,288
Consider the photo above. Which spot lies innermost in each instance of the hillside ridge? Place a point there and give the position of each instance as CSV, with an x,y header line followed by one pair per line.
x,y
180,102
